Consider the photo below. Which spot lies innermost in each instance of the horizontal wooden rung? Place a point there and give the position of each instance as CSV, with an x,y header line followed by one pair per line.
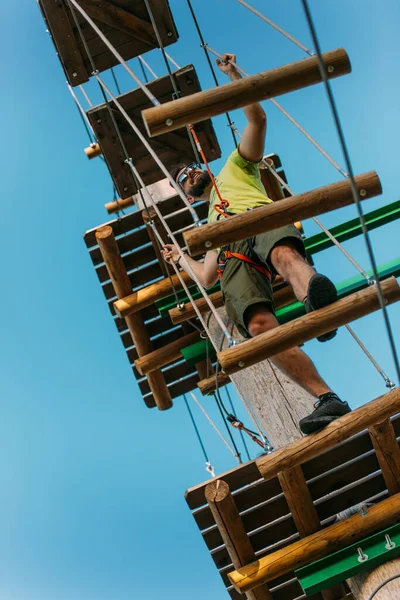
x,y
275,82
305,328
316,546
277,214
165,355
306,448
209,385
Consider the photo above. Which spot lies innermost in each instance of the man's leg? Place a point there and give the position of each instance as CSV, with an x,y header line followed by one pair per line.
x,y
294,362
300,368
310,287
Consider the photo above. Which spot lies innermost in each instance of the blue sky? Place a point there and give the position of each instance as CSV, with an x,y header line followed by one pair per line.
x,y
92,482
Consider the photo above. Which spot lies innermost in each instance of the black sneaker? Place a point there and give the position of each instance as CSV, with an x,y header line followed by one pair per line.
x,y
328,408
321,292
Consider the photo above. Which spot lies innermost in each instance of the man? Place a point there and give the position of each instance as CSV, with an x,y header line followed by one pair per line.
x,y
246,286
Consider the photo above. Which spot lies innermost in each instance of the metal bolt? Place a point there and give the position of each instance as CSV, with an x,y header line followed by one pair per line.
x,y
330,69
389,544
169,34
74,74
363,193
241,363
125,189
99,121
361,556
208,244
363,510
169,122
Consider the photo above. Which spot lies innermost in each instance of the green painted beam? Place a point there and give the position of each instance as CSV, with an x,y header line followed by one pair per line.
x,y
376,550
315,243
345,288
350,229
199,351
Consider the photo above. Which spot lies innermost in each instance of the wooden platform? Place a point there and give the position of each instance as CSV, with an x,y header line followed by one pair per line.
x,y
143,267
171,148
346,474
126,25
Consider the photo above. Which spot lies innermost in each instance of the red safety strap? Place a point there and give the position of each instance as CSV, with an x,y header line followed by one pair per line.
x,y
227,254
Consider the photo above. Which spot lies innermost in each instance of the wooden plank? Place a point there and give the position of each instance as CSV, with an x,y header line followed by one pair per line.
x,y
171,374
305,328
120,19
242,92
297,495
72,52
232,531
167,354
305,448
208,385
171,148
388,453
277,214
63,35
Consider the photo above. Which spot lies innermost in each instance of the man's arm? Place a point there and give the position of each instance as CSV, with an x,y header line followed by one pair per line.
x,y
253,139
206,272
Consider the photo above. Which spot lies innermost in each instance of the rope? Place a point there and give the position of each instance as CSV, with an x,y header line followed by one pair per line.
x,y
171,60
143,71
318,222
115,81
185,262
380,586
388,382
204,46
228,430
146,64
82,112
85,94
356,197
240,431
117,55
172,78
282,31
150,150
209,467
214,426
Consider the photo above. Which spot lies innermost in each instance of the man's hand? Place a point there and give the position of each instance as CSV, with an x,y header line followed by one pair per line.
x,y
225,66
170,253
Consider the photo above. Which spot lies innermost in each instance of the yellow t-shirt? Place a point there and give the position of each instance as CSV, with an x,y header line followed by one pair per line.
x,y
239,183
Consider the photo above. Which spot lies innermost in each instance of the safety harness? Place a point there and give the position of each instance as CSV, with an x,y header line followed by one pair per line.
x,y
225,254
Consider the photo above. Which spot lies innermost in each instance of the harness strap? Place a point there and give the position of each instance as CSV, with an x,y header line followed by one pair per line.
x,y
227,254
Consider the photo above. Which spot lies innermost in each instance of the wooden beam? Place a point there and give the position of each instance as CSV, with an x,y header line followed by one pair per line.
x,y
231,528
93,151
388,453
148,295
282,297
277,214
304,514
120,19
299,500
316,546
120,204
151,215
122,286
306,448
275,82
305,328
164,356
206,386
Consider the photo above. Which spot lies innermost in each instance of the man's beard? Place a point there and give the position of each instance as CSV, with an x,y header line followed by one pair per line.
x,y
197,189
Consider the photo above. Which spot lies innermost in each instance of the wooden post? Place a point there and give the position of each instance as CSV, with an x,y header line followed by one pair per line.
x,y
305,328
277,214
233,533
316,546
388,453
148,295
151,215
93,151
122,286
209,103
120,204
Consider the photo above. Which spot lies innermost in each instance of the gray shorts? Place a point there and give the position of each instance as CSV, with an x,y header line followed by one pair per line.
x,y
242,285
